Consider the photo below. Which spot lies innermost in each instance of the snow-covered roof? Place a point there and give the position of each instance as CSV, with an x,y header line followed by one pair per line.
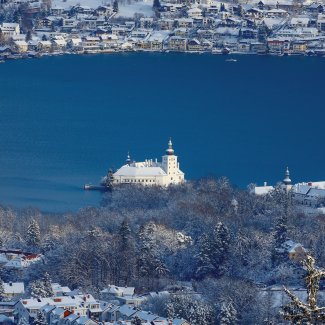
x,y
127,170
14,288
146,316
263,190
127,310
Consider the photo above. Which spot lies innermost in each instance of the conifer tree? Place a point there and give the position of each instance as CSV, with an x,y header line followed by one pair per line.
x,y
115,6
40,319
228,314
205,267
280,235
156,4
220,248
33,236
47,283
2,290
136,321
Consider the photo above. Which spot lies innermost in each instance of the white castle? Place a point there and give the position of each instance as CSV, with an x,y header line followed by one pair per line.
x,y
151,172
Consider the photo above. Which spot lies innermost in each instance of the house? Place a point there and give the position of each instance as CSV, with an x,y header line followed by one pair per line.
x,y
83,305
321,23
184,22
59,44
44,46
113,291
177,43
309,194
57,11
295,251
157,39
278,45
13,289
300,22
9,29
125,312
17,259
298,47
277,13
195,13
90,43
146,22
194,45
21,46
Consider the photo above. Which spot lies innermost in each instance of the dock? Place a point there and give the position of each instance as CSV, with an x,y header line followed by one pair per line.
x,y
90,187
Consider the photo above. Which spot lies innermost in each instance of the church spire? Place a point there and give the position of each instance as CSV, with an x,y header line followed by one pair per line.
x,y
287,180
170,150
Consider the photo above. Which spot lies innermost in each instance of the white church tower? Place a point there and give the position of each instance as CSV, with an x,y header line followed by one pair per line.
x,y
171,165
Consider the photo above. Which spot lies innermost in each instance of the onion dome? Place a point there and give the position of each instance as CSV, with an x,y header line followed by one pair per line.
x,y
287,180
128,159
170,150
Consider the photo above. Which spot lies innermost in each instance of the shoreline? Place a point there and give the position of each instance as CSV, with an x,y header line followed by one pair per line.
x,y
33,55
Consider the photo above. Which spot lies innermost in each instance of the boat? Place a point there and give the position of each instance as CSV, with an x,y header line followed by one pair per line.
x,y
217,51
231,60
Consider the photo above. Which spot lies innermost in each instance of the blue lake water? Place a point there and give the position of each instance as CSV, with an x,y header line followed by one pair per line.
x,y
65,120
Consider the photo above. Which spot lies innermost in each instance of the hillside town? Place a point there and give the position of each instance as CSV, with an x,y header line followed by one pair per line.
x,y
30,28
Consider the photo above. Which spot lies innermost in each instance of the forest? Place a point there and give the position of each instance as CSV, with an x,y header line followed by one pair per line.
x,y
204,237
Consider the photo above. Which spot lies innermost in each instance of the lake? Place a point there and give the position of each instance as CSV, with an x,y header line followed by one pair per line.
x,y
65,120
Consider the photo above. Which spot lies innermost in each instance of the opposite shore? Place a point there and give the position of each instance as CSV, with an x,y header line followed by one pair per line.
x,y
283,28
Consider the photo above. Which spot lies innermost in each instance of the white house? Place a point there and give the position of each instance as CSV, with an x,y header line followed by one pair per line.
x,y
151,172
13,289
9,29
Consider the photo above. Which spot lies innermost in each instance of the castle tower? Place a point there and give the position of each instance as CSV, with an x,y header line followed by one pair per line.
x,y
128,159
287,181
169,161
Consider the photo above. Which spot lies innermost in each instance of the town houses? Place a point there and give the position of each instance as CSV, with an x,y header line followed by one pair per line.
x,y
68,307
281,27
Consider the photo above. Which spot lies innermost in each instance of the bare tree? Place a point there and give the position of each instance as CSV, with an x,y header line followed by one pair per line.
x,y
299,312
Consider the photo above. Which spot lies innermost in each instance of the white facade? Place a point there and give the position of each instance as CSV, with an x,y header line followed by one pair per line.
x,y
151,172
10,29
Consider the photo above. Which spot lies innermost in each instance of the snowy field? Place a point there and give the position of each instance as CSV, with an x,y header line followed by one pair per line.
x,y
125,10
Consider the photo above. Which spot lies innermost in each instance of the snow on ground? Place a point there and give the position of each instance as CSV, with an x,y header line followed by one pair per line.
x,y
125,10
128,10
70,3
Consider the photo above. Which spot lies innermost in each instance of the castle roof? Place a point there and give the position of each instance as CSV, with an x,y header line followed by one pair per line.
x,y
139,170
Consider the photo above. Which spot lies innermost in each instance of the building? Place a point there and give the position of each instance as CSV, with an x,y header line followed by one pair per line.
x,y
151,172
9,29
286,185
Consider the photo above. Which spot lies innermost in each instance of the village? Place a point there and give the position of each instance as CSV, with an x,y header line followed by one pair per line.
x,y
34,28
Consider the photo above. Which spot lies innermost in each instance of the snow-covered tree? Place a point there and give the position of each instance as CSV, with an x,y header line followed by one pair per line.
x,y
33,236
228,314
2,290
280,234
37,289
214,252
40,319
47,284
115,6
136,321
220,247
205,267
196,311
